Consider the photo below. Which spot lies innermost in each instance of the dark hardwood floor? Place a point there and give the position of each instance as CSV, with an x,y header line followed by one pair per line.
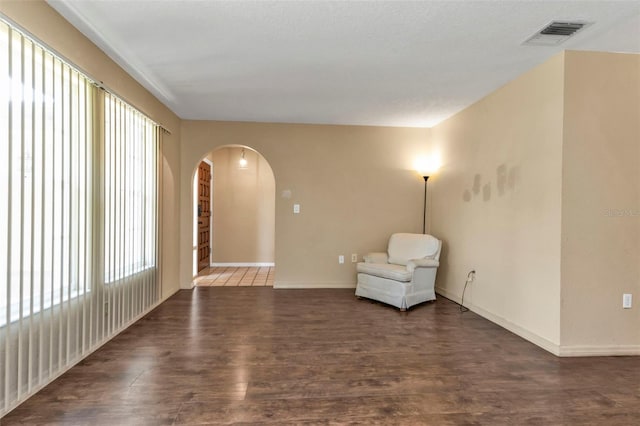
x,y
255,355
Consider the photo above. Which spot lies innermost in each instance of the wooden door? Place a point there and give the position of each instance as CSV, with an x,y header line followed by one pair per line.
x,y
204,215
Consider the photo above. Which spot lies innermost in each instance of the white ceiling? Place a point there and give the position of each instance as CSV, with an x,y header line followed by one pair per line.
x,y
390,63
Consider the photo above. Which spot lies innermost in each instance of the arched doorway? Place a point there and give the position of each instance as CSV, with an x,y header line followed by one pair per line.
x,y
239,219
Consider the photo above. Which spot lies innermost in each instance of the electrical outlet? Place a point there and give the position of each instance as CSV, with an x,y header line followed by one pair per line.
x,y
296,208
627,300
354,258
341,259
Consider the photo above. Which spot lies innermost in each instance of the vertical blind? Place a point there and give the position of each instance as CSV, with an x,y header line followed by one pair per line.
x,y
78,216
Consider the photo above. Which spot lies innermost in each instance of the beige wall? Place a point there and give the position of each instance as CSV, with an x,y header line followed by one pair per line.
x,y
497,204
244,205
601,204
355,185
540,194
48,26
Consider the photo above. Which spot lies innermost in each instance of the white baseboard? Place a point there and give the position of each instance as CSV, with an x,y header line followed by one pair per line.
x,y
313,284
243,264
609,350
558,350
540,341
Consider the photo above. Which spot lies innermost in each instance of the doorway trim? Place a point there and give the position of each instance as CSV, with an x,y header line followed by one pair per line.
x,y
193,215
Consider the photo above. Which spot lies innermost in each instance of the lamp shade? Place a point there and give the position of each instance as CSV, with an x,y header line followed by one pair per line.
x,y
427,166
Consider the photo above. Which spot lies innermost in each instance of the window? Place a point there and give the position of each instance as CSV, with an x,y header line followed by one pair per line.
x,y
130,191
78,209
45,178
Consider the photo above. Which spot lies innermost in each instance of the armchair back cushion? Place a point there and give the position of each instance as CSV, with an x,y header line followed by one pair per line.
x,y
405,247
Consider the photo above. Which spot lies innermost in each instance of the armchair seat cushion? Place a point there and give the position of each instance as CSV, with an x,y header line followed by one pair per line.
x,y
386,270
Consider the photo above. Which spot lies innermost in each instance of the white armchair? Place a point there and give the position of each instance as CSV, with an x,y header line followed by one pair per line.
x,y
405,275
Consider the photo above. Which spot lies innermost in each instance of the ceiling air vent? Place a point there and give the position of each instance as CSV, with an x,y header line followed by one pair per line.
x,y
555,33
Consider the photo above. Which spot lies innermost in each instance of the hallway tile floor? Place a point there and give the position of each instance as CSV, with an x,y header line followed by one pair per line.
x,y
228,276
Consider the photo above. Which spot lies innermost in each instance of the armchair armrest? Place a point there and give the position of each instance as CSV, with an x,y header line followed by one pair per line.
x,y
376,258
422,263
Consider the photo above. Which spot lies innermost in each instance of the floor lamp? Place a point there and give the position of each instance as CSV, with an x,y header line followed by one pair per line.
x,y
424,212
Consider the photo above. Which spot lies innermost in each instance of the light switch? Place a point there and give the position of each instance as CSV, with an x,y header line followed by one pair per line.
x,y
296,208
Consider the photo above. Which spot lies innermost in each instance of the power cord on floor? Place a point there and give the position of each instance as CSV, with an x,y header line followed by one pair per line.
x,y
470,277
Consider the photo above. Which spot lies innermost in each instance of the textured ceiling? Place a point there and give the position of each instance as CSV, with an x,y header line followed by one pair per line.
x,y
371,63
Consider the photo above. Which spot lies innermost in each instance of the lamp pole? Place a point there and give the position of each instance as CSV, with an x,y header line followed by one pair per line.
x,y
424,212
